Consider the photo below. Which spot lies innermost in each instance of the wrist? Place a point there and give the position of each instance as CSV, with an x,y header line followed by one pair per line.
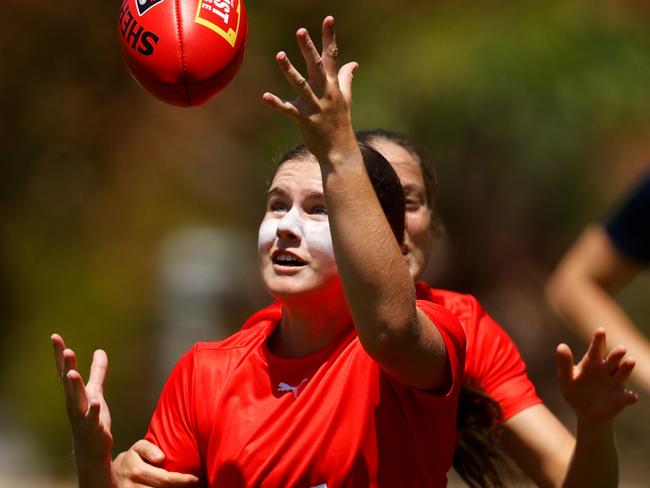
x,y
594,432
340,149
96,472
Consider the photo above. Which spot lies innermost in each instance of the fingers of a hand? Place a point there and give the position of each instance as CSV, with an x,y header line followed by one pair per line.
x,y
77,392
98,370
613,359
330,49
149,475
148,451
597,347
69,361
629,398
280,105
346,73
624,370
92,415
295,79
59,346
312,57
564,358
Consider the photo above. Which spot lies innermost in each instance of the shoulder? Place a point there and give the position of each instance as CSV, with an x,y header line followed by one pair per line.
x,y
221,356
239,341
465,307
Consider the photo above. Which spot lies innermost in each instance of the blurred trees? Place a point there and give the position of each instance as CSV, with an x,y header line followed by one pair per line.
x,y
535,112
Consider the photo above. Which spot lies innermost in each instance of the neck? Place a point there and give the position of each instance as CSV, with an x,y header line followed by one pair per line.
x,y
308,327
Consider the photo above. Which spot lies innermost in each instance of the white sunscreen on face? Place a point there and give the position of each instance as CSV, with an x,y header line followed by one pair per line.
x,y
314,235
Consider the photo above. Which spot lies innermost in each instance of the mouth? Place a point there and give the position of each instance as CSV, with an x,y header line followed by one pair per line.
x,y
286,259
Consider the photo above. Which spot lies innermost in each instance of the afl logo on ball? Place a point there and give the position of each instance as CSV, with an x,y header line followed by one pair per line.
x,y
144,5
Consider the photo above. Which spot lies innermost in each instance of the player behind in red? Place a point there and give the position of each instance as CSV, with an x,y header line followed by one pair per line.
x,y
530,434
355,377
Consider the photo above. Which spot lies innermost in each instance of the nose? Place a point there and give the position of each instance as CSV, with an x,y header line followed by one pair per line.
x,y
290,226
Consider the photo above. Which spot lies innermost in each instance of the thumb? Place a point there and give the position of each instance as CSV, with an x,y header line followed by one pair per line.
x,y
346,73
148,451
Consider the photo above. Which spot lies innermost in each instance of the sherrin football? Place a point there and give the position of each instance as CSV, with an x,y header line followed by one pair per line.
x,y
183,51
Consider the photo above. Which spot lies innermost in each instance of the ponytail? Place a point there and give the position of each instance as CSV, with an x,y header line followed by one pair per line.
x,y
479,458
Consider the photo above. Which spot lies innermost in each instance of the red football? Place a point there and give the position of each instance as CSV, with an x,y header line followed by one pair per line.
x,y
183,51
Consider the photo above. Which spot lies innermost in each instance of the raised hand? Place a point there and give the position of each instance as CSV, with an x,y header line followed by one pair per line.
x,y
322,108
136,468
88,413
595,386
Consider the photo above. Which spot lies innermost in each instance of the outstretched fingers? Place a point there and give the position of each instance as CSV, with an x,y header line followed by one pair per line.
x,y
330,49
597,346
313,60
612,361
346,73
58,345
76,397
98,370
69,366
295,79
280,105
628,397
622,374
564,358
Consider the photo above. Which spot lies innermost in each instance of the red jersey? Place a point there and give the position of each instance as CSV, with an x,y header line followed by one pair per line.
x,y
236,415
492,361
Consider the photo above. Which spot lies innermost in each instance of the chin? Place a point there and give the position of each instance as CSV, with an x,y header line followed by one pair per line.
x,y
284,289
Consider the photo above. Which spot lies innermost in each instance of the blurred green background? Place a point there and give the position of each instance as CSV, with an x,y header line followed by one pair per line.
x,y
535,112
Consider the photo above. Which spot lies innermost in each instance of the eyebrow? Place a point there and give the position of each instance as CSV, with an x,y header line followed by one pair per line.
x,y
314,195
276,191
282,192
413,189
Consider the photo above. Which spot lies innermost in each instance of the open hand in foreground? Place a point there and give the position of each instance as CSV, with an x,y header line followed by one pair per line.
x,y
87,410
322,108
595,387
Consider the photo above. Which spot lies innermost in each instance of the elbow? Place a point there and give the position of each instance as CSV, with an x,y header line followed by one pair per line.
x,y
561,287
390,336
554,289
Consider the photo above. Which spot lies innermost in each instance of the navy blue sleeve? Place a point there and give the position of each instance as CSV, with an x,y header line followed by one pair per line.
x,y
629,226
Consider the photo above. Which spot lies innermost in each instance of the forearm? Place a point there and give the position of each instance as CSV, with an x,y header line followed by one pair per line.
x,y
540,445
375,277
94,473
581,290
594,461
587,306
377,283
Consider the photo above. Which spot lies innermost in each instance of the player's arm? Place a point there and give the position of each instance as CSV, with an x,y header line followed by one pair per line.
x,y
581,290
538,442
376,280
90,419
594,388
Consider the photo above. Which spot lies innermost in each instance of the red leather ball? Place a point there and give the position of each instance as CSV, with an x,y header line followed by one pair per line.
x,y
183,51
